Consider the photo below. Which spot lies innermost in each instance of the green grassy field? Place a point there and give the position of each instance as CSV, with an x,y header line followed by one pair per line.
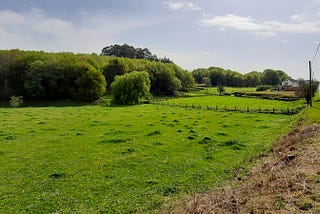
x,y
232,102
213,90
89,159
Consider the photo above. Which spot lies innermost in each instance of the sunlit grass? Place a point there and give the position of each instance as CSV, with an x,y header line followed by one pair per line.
x,y
91,159
232,102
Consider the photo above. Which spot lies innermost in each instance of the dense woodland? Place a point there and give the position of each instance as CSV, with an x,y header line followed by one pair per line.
x,y
37,75
40,75
215,76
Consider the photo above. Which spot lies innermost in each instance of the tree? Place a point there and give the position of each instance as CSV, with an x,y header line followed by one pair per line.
x,y
220,89
163,79
91,82
185,77
34,77
11,80
272,77
128,51
217,76
131,88
207,82
116,66
252,79
304,91
199,74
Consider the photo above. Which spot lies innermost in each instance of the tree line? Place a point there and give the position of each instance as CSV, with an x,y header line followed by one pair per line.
x,y
40,75
215,76
129,51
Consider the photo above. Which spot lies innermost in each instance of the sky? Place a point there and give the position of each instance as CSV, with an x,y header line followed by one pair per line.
x,y
244,36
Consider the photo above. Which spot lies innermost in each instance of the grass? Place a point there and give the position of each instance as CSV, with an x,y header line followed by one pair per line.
x,y
90,159
237,102
213,90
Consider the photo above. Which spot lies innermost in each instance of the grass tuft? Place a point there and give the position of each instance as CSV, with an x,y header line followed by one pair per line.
x,y
57,175
156,132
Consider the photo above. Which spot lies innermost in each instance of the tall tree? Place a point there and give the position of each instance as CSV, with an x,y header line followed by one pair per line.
x,y
128,51
252,79
271,77
116,66
91,82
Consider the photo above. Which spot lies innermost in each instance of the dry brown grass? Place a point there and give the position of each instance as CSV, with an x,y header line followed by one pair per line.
x,y
287,181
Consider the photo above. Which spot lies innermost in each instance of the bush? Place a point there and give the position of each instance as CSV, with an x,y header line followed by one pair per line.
x,y
220,89
263,88
91,83
304,91
16,101
131,88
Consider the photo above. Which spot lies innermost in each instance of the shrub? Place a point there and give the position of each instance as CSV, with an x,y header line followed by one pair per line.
x,y
304,91
91,83
220,89
131,88
16,101
263,88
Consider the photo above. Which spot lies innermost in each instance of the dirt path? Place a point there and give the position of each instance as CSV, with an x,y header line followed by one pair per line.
x,y
287,181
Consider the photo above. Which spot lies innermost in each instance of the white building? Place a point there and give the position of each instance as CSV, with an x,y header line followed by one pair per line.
x,y
290,83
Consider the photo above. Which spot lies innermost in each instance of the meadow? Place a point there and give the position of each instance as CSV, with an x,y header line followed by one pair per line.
x,y
90,159
239,103
125,159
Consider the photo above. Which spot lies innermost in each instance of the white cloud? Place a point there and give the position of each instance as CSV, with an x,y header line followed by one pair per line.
x,y
232,21
192,6
36,30
182,5
175,5
299,24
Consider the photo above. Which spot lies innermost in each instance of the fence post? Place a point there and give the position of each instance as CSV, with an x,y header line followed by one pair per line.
x,y
248,110
273,111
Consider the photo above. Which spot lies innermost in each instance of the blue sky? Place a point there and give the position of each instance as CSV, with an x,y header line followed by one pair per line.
x,y
241,35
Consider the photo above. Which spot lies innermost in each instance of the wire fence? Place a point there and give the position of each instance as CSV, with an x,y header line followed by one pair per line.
x,y
248,109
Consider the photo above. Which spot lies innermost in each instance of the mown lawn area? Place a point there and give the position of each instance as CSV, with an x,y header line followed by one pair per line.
x,y
90,159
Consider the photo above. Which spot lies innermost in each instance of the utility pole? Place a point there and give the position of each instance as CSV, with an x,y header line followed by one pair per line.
x,y
310,85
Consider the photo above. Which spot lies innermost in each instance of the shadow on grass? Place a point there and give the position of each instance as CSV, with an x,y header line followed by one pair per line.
x,y
48,103
103,101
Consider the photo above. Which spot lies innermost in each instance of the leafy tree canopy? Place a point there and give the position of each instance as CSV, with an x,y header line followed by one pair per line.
x,y
220,76
131,88
128,51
